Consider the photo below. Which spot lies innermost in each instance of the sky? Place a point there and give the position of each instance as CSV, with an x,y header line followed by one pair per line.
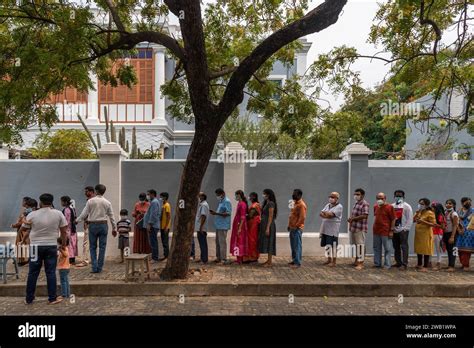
x,y
352,29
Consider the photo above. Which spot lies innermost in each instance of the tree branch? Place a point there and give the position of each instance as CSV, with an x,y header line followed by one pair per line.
x,y
115,15
316,20
426,21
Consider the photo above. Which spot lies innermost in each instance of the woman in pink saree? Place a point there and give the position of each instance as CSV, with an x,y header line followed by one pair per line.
x,y
239,237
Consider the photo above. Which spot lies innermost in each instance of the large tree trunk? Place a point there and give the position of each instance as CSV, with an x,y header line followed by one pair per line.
x,y
194,170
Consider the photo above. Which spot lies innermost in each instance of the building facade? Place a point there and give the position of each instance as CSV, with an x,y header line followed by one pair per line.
x,y
143,106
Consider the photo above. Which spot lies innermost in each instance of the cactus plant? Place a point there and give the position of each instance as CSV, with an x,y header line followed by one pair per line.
x,y
99,143
89,134
113,133
106,116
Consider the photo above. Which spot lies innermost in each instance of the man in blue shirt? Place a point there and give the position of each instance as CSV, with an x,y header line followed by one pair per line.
x,y
222,224
152,220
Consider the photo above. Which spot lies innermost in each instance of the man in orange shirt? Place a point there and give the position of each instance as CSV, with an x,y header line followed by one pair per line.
x,y
295,227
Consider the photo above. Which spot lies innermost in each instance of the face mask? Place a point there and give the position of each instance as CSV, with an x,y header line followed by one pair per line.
x,y
218,198
421,206
148,197
467,205
399,200
380,201
357,198
332,200
28,210
449,209
265,197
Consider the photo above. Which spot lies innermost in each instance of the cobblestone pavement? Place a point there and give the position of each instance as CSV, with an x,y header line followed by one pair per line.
x,y
312,271
153,305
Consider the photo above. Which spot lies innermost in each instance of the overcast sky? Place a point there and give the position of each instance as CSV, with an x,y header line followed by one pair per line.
x,y
352,29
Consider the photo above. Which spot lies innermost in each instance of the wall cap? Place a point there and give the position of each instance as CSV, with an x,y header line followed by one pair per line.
x,y
111,149
234,147
355,149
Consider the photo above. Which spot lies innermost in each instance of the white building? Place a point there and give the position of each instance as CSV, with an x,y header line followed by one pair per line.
x,y
143,106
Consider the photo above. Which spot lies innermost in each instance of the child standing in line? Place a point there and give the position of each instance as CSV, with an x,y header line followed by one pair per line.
x,y
124,226
63,267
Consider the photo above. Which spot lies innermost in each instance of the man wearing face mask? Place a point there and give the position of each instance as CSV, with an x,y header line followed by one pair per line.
x,y
329,231
222,224
383,227
358,226
403,222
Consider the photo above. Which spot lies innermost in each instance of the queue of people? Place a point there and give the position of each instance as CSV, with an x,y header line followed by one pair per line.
x,y
438,228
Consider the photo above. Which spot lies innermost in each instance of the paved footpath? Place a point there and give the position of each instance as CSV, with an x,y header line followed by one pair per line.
x,y
153,305
311,272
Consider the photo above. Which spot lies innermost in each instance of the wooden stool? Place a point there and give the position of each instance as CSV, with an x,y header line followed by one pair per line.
x,y
143,264
4,257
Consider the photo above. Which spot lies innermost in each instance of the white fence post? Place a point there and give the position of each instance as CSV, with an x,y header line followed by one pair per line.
x,y
110,175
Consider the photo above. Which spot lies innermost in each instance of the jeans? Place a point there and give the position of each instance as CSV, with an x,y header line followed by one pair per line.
x,y
387,244
165,240
98,232
221,245
449,248
64,279
153,238
48,255
202,239
296,245
400,244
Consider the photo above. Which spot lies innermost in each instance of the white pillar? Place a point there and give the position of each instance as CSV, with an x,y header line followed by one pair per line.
x,y
159,100
3,153
234,171
93,101
110,175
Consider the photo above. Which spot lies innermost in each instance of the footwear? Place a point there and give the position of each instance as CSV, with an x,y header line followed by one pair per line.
x,y
81,264
58,299
423,269
294,265
27,303
291,263
227,262
332,264
327,262
217,261
397,265
163,259
403,268
450,269
94,272
359,267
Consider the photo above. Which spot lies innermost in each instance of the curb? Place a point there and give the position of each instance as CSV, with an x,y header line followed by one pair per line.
x,y
251,289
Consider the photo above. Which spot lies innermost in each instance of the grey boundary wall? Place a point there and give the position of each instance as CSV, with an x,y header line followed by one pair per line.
x,y
436,180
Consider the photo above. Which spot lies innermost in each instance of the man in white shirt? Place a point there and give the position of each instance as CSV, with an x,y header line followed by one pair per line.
x,y
43,227
403,223
97,211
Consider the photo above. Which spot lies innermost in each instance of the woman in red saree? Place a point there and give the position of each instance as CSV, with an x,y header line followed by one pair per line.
x,y
141,245
253,225
239,237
